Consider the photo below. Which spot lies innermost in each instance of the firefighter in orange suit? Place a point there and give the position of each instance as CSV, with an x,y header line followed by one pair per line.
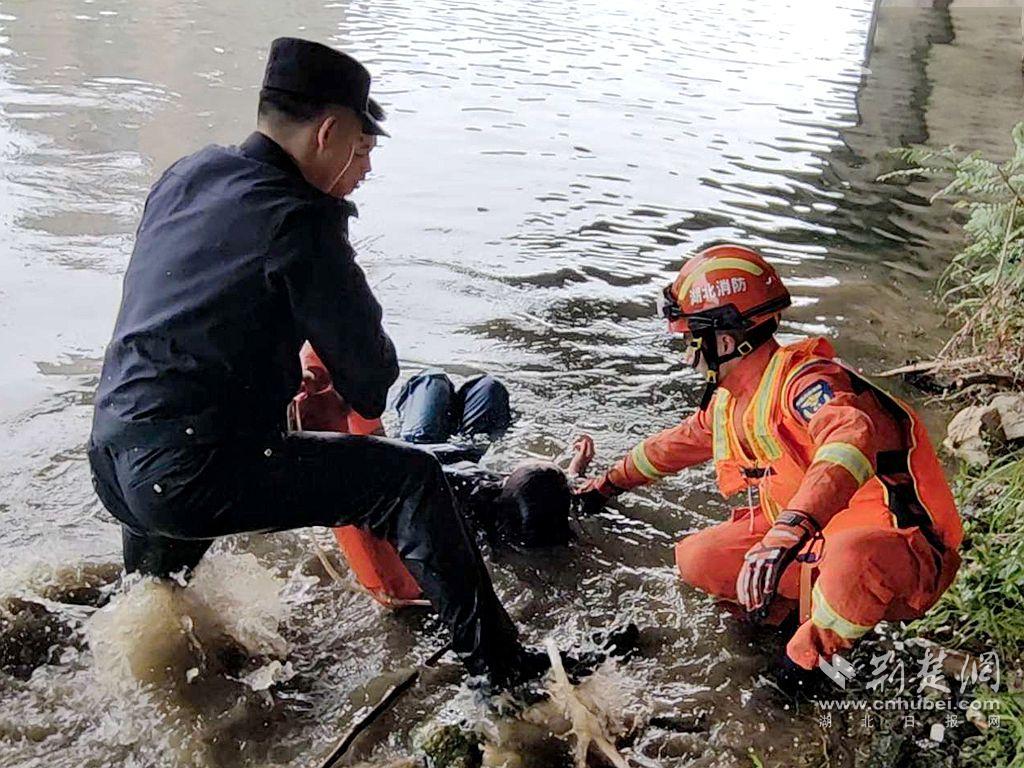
x,y
847,501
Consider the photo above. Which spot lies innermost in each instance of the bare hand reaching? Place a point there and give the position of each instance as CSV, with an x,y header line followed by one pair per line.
x,y
583,454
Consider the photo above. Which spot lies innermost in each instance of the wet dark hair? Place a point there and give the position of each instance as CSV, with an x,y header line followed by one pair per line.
x,y
534,506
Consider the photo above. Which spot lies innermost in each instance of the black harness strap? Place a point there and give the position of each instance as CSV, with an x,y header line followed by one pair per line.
x,y
892,468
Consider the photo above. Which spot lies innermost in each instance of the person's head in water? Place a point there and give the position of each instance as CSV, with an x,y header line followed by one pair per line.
x,y
315,104
533,508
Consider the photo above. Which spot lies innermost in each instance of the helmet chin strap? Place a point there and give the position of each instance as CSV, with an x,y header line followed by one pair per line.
x,y
705,344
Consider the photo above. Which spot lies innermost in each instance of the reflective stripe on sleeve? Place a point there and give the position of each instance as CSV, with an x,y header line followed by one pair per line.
x,y
824,616
849,457
720,424
642,463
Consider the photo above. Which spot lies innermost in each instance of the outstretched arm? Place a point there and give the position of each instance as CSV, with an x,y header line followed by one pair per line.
x,y
583,454
664,453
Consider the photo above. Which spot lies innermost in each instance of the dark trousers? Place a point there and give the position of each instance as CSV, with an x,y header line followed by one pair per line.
x,y
172,501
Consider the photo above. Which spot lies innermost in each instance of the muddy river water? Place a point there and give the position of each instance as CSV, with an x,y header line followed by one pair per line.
x,y
551,165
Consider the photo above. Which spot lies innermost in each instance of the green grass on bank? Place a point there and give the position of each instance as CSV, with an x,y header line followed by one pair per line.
x,y
984,609
1003,745
983,290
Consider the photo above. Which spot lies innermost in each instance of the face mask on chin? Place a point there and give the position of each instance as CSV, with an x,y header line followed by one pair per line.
x,y
334,189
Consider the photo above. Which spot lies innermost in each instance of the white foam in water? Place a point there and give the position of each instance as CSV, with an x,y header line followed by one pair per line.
x,y
590,716
591,709
156,630
154,670
140,635
268,675
246,600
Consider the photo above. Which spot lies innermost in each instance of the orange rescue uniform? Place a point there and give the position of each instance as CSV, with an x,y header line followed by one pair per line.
x,y
809,434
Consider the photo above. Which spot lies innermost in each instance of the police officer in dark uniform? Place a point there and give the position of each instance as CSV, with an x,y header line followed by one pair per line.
x,y
242,254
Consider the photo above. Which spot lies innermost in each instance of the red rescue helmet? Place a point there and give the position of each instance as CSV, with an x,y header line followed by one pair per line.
x,y
724,288
727,288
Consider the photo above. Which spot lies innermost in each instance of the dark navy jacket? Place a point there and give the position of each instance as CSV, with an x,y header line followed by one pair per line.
x,y
237,261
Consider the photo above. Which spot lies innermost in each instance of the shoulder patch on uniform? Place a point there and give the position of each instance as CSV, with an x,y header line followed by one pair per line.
x,y
812,398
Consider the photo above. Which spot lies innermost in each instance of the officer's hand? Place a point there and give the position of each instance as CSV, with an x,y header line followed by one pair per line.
x,y
583,454
315,379
316,382
765,562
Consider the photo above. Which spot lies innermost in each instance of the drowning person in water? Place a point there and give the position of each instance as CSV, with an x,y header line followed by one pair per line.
x,y
527,508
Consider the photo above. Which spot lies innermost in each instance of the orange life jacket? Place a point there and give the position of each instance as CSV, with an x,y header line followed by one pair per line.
x,y
377,567
908,488
375,563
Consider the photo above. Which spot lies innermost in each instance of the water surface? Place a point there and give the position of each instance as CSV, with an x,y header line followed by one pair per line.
x,y
551,166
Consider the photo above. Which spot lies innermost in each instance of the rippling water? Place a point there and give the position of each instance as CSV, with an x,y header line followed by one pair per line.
x,y
551,165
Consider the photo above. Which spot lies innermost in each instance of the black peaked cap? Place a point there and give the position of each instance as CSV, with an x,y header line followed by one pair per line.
x,y
321,74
